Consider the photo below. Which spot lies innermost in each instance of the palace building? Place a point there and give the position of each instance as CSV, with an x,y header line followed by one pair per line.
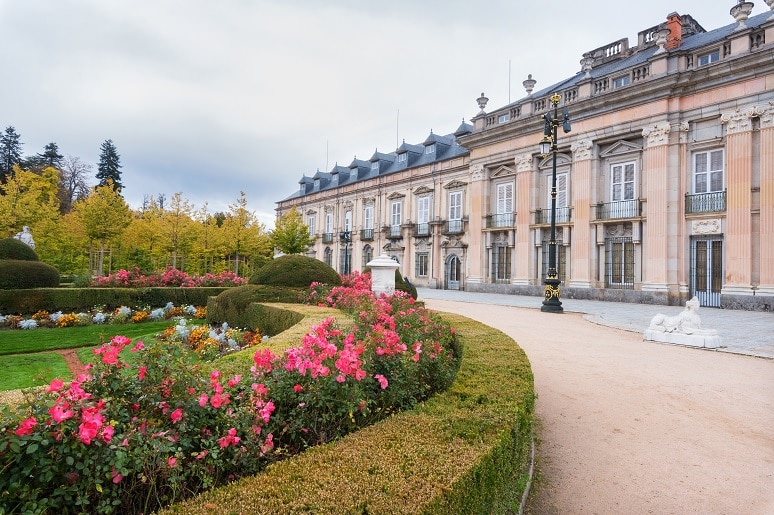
x,y
664,185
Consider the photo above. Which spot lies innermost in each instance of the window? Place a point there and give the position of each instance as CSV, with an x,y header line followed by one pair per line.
x,y
328,256
375,166
504,205
455,205
395,218
503,118
622,181
368,255
621,81
501,263
619,263
310,224
368,217
708,171
402,157
348,221
329,223
562,213
430,149
423,215
422,264
709,58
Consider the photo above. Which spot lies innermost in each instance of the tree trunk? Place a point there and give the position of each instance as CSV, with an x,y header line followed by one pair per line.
x,y
101,257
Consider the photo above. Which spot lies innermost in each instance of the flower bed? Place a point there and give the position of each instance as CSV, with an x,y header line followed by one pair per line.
x,y
170,277
133,438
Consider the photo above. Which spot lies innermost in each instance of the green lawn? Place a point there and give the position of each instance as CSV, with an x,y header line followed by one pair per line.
x,y
30,370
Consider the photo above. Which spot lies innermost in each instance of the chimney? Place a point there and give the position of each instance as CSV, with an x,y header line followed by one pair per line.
x,y
675,26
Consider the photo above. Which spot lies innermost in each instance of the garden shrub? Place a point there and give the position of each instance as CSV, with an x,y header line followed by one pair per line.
x,y
18,274
11,248
295,271
233,306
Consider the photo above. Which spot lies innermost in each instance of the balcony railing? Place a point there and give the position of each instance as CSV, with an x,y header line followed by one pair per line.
x,y
422,229
499,220
563,215
454,227
714,202
394,231
327,237
366,234
620,209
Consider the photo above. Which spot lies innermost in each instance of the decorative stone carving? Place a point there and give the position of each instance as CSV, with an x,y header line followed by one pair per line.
x,y
683,329
395,195
738,120
482,101
311,212
477,173
501,238
767,115
25,236
712,226
347,204
741,12
454,185
685,129
423,190
618,230
523,163
657,134
587,64
581,150
529,84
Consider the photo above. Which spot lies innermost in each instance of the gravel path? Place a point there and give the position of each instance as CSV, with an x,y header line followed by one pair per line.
x,y
627,426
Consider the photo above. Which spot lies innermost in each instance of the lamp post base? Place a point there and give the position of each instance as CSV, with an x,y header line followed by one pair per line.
x,y
552,304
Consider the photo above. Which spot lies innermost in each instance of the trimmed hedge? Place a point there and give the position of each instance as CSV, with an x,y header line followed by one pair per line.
x,y
238,307
463,451
17,273
28,301
296,271
11,248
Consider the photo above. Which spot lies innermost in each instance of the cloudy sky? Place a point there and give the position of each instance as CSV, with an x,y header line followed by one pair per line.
x,y
213,97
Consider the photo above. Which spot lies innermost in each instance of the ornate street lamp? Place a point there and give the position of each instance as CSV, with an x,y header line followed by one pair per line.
x,y
346,238
551,303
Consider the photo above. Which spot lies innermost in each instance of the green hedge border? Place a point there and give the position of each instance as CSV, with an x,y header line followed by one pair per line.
x,y
464,451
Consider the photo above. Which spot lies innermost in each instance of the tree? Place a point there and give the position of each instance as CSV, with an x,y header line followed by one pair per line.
x,y
72,182
104,215
27,199
10,152
178,226
109,167
49,158
291,234
243,235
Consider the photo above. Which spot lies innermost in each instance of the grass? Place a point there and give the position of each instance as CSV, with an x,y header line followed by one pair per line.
x,y
28,370
19,341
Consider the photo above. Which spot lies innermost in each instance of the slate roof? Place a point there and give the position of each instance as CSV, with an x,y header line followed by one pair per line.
x,y
446,147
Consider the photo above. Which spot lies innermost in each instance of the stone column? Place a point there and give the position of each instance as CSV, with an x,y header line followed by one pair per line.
x,y
478,204
655,164
522,243
738,239
684,186
767,199
582,245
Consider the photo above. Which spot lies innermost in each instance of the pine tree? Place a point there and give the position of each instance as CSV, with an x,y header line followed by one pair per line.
x,y
51,156
10,153
109,167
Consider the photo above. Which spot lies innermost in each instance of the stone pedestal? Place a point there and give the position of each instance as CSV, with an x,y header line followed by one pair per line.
x,y
707,342
383,274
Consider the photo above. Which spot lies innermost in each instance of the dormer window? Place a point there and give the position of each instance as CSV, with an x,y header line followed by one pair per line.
x,y
709,58
620,81
430,149
503,118
375,166
317,183
402,157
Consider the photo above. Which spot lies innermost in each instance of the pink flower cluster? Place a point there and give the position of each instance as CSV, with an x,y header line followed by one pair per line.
x,y
170,277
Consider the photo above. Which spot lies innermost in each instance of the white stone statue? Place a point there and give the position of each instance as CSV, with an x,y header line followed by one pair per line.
x,y
25,236
684,328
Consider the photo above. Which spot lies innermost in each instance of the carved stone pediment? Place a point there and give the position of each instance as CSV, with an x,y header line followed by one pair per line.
x,y
561,160
311,212
455,184
501,171
347,204
329,208
620,147
423,190
395,195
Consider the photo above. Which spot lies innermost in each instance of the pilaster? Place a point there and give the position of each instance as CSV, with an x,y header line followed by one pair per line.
x,y
523,249
656,166
582,242
766,113
477,197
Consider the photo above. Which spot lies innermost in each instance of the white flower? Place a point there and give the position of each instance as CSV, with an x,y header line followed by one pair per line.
x,y
124,311
157,314
28,324
54,317
169,306
191,310
99,318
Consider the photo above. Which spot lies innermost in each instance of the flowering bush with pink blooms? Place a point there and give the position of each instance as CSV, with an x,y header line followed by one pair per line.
x,y
132,438
170,277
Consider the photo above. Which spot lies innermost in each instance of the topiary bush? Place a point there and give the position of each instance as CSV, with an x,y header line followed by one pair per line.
x,y
11,248
296,271
19,274
238,306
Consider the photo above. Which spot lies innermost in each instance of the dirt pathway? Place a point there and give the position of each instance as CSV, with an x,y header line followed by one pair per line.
x,y
633,427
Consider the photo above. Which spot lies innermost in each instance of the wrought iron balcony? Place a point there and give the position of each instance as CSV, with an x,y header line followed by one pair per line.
x,y
366,234
620,209
394,231
454,227
499,220
422,229
563,215
327,237
714,202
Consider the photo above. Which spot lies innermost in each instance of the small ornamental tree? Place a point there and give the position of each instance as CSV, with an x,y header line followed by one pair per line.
x,y
104,215
109,167
291,234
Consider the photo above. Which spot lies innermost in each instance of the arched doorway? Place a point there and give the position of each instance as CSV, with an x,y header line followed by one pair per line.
x,y
453,272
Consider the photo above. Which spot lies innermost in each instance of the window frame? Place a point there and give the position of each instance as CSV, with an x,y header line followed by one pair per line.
x,y
623,182
422,264
310,221
368,217
396,213
708,173
708,57
455,205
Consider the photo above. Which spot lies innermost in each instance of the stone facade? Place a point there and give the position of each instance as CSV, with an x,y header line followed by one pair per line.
x,y
665,184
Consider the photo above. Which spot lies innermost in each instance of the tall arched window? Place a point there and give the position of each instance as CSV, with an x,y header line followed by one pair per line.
x,y
368,255
328,256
